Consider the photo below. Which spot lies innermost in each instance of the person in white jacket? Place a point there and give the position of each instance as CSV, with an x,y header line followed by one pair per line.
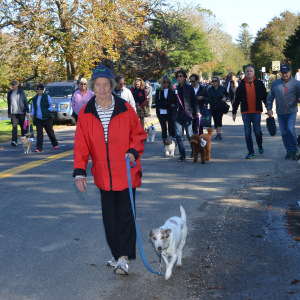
x,y
122,91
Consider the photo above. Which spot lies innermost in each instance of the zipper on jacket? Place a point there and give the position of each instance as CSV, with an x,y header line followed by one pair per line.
x,y
284,89
108,164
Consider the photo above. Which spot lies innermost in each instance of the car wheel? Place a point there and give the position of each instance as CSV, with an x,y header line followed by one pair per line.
x,y
73,122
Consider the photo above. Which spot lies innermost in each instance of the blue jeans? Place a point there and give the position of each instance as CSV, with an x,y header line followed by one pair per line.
x,y
255,120
287,124
182,120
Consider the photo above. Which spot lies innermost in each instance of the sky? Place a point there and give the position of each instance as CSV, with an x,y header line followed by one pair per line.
x,y
256,13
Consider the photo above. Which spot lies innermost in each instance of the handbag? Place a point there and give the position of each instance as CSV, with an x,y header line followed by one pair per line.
x,y
205,116
225,108
271,125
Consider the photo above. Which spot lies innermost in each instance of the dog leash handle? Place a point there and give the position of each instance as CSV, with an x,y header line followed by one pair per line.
x,y
136,227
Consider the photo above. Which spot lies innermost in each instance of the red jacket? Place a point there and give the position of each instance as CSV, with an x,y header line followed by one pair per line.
x,y
125,134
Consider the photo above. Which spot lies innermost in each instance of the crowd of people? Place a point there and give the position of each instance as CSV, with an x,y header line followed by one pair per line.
x,y
110,130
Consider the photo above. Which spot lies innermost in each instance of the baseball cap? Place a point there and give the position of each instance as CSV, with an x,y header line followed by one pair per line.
x,y
285,68
102,71
14,82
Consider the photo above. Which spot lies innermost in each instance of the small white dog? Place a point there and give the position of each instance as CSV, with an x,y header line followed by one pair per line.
x,y
169,240
171,146
151,131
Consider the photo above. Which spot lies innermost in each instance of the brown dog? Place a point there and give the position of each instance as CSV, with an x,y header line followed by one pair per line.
x,y
197,148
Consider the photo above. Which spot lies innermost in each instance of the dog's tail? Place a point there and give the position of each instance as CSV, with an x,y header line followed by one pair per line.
x,y
183,214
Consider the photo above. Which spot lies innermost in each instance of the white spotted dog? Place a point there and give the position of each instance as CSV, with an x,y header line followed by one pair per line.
x,y
151,131
169,240
171,146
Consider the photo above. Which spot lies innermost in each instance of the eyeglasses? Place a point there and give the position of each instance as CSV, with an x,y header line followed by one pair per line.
x,y
178,76
39,89
192,81
214,81
164,82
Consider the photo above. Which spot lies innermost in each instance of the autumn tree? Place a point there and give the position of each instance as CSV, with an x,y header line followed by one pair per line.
x,y
72,34
270,42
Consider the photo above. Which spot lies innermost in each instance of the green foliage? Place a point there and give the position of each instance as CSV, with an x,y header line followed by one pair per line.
x,y
245,40
292,50
270,41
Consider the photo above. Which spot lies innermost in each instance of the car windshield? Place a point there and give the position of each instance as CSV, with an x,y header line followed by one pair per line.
x,y
59,91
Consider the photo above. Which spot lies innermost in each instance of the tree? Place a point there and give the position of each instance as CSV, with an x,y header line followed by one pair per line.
x,y
245,40
292,50
270,41
70,35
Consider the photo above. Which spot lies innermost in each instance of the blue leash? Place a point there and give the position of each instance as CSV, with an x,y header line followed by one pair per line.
x,y
136,227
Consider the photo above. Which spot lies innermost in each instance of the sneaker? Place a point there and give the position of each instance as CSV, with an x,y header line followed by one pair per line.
x,y
37,150
181,158
288,155
249,156
13,143
218,136
261,150
122,266
112,262
294,155
56,147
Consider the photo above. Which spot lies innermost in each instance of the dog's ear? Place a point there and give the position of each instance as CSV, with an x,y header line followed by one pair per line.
x,y
168,232
151,233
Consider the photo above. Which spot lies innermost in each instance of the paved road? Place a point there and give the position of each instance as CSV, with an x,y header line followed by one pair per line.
x,y
240,245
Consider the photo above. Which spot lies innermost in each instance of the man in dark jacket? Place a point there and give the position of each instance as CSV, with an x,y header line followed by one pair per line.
x,y
186,109
251,93
17,108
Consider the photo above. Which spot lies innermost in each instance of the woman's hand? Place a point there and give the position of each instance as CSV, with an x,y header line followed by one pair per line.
x,y
131,157
81,184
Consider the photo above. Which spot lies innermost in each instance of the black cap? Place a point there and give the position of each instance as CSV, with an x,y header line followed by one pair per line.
x,y
285,68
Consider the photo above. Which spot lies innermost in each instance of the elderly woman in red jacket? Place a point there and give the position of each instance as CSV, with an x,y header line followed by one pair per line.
x,y
108,149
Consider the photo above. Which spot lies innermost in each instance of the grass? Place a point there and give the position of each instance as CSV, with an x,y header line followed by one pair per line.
x,y
5,131
6,128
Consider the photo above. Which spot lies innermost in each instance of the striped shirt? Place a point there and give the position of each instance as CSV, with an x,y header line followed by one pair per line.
x,y
105,116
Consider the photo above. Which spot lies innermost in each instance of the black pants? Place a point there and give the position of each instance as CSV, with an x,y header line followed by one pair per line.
x,y
17,119
217,117
195,125
167,125
48,125
119,223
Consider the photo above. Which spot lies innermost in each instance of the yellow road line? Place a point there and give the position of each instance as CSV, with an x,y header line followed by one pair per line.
x,y
33,164
152,122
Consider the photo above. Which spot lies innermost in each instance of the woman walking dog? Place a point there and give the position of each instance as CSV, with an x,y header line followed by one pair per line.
x,y
108,150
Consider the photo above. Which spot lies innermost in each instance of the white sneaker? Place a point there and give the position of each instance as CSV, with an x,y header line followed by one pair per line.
x,y
13,143
112,262
122,266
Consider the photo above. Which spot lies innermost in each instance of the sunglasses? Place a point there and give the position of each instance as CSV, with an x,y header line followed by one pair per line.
x,y
82,83
178,76
214,81
164,82
192,81
39,89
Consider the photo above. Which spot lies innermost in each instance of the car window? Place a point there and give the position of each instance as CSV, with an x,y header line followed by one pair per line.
x,y
59,91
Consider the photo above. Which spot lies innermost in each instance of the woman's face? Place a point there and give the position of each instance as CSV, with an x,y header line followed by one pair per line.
x,y
40,91
166,84
83,86
138,83
215,82
102,88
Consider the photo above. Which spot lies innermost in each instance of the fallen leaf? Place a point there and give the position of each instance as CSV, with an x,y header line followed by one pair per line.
x,y
295,281
229,263
258,235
